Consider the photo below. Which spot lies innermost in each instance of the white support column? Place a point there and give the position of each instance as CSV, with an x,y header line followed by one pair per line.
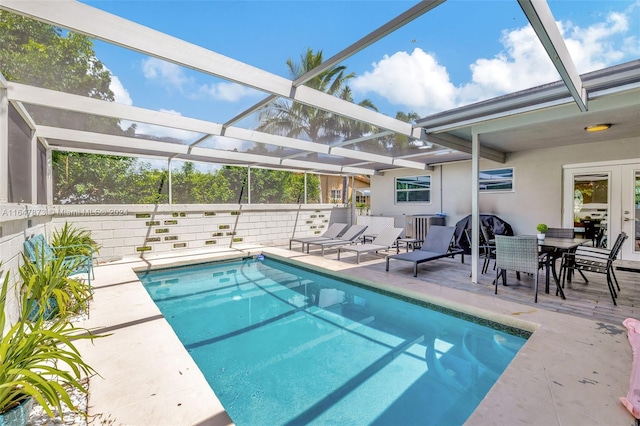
x,y
170,174
475,217
248,184
353,200
305,187
4,145
49,181
33,165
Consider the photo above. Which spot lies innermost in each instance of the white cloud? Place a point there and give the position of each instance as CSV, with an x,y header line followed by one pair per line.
x,y
423,81
173,77
425,85
165,73
120,93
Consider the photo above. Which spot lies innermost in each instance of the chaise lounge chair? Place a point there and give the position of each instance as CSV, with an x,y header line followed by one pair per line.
x,y
437,244
349,237
385,239
40,252
331,233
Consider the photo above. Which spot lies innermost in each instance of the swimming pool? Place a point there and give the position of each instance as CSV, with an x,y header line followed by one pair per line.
x,y
284,345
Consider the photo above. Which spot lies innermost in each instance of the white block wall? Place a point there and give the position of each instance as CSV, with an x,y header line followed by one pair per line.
x,y
135,230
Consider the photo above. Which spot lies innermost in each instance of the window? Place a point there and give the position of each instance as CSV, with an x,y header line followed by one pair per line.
x,y
336,195
498,180
413,189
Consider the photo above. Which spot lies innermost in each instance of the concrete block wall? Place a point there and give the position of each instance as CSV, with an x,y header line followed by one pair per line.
x,y
148,229
16,222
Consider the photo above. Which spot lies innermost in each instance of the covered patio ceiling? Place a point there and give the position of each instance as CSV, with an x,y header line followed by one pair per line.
x,y
550,115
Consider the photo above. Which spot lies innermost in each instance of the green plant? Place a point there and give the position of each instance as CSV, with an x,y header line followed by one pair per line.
x,y
71,240
542,228
38,359
46,283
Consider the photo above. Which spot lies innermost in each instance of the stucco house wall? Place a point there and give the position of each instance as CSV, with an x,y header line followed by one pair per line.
x,y
537,195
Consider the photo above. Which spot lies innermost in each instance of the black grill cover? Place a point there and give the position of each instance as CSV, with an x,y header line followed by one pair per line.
x,y
497,226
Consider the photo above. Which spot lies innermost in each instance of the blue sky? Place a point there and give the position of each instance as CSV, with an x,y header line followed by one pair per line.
x,y
459,53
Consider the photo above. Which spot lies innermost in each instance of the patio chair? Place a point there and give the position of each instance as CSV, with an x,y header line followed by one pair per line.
x,y
332,232
385,239
560,233
557,254
487,251
39,251
487,239
596,260
519,254
436,245
349,237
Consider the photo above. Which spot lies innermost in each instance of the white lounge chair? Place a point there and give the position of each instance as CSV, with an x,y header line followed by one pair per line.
x,y
385,239
331,233
349,237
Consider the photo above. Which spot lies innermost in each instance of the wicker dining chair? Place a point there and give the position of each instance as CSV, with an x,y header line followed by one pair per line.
x,y
519,254
560,233
554,253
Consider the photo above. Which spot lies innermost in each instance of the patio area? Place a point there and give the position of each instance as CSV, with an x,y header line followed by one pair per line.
x,y
585,300
572,370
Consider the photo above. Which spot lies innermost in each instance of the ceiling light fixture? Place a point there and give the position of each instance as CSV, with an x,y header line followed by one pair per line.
x,y
598,127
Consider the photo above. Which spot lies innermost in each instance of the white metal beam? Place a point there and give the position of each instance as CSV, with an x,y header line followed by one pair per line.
x,y
463,145
362,139
66,101
4,146
317,99
539,15
182,151
59,100
366,156
96,23
33,167
283,141
475,207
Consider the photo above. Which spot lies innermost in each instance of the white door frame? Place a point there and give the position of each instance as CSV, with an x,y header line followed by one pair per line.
x,y
617,204
629,213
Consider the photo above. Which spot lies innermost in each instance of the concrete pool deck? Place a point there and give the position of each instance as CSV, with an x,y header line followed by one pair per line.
x,y
571,371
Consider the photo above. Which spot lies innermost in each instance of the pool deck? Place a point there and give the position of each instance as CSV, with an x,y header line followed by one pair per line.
x,y
571,371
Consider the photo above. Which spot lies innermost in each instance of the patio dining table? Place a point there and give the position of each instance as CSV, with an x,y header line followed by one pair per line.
x,y
557,245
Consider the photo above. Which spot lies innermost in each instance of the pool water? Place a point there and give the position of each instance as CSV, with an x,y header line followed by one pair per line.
x,y
281,345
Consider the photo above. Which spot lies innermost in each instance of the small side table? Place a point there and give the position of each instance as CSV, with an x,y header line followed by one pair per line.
x,y
412,243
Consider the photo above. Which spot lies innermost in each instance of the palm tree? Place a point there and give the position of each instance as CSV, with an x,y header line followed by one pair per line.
x,y
296,120
400,144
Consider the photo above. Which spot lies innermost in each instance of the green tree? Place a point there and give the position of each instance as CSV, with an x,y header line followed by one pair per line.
x,y
296,120
401,144
190,185
42,55
90,179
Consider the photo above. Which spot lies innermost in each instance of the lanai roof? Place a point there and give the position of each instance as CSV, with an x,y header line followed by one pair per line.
x,y
549,115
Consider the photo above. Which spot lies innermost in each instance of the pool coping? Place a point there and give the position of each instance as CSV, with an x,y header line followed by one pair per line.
x,y
570,371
